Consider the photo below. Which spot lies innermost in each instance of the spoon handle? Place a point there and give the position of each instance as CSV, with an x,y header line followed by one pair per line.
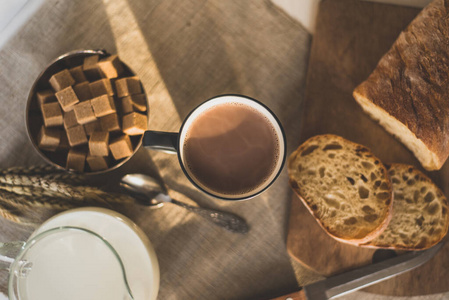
x,y
226,220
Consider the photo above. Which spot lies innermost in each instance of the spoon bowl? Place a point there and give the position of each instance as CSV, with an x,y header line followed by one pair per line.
x,y
143,188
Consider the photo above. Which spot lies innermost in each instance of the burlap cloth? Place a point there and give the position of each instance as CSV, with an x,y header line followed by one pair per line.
x,y
184,52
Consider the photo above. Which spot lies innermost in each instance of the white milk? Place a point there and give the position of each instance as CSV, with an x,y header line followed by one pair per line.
x,y
75,266
131,243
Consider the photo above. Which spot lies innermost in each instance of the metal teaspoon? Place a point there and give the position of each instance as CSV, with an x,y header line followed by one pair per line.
x,y
149,191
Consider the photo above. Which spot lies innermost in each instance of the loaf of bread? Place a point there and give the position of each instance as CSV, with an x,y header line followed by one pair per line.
x,y
344,186
420,212
408,92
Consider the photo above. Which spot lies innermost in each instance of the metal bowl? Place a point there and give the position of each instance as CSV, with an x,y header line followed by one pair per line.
x,y
34,119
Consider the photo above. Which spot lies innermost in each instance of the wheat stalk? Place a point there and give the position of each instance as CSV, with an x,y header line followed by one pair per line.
x,y
39,169
49,187
25,201
72,178
44,172
78,194
9,214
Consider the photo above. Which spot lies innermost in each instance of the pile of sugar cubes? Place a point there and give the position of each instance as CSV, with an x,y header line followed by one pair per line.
x,y
80,114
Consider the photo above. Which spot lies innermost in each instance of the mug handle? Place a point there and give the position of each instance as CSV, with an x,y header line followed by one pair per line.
x,y
161,140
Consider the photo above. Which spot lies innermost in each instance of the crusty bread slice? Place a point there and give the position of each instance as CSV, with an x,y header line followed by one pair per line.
x,y
408,90
344,186
420,212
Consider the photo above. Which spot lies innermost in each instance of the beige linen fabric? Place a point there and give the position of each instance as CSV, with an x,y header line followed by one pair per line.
x,y
185,52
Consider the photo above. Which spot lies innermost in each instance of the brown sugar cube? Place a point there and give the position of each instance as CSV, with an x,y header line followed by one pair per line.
x,y
127,105
110,123
48,138
90,67
134,103
69,119
64,142
46,96
76,160
82,91
61,80
128,86
76,135
84,113
101,87
67,98
91,127
121,147
78,74
98,143
52,114
97,163
134,124
103,105
110,67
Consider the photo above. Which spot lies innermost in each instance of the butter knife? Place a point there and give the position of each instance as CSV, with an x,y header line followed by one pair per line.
x,y
356,279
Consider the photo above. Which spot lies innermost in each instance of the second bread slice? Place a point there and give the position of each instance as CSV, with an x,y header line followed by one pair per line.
x,y
344,186
420,212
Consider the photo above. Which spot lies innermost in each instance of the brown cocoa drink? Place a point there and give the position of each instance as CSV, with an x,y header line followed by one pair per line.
x,y
231,149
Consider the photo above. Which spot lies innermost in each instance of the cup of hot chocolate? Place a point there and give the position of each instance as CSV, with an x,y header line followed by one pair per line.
x,y
231,147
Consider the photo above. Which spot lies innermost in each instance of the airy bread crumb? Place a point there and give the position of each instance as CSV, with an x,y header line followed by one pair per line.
x,y
344,186
420,212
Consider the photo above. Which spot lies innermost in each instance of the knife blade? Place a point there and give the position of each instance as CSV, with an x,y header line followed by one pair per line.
x,y
356,279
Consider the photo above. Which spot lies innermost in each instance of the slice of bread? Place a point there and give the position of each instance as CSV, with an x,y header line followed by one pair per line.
x,y
408,90
420,212
344,186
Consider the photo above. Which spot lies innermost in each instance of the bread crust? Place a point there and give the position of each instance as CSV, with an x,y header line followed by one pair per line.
x,y
410,83
380,193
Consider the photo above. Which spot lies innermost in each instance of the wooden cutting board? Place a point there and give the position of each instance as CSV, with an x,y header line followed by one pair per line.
x,y
350,38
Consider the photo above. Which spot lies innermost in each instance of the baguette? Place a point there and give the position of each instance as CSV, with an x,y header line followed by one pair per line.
x,y
408,90
420,212
344,186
